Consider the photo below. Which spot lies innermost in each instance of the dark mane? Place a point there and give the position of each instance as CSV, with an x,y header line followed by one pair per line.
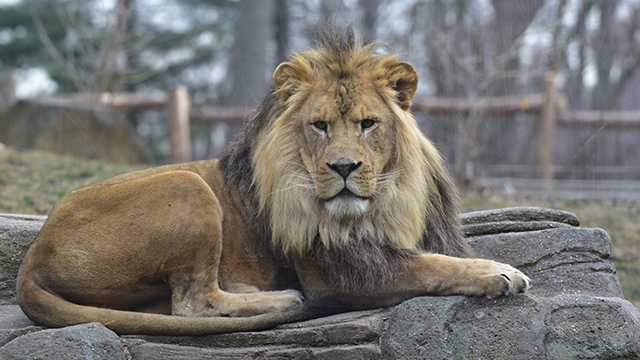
x,y
236,165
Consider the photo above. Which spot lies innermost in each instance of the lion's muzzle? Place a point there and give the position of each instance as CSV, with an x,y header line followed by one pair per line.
x,y
344,167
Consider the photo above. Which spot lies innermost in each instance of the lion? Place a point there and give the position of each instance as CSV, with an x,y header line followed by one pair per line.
x,y
330,192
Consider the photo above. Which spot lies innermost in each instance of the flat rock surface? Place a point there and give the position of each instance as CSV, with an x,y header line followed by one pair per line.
x,y
521,214
575,309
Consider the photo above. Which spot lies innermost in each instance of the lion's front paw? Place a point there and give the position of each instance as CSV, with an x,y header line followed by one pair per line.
x,y
498,279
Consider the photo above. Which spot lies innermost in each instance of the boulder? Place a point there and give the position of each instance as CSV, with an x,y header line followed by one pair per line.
x,y
14,323
575,309
16,233
520,327
81,342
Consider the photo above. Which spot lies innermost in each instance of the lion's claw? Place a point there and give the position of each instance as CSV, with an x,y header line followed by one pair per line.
x,y
498,279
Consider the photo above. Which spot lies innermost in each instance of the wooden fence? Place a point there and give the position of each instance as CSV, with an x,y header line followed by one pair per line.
x,y
550,107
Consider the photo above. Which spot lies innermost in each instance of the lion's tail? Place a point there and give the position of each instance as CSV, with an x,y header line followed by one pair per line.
x,y
51,310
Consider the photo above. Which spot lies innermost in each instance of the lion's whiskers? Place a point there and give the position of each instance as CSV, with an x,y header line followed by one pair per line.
x,y
386,179
296,180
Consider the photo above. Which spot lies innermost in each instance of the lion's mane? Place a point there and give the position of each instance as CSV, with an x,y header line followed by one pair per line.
x,y
417,213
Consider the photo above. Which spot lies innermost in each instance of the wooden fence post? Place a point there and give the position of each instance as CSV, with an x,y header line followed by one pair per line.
x,y
547,129
178,108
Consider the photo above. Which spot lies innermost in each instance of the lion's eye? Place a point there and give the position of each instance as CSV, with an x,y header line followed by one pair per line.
x,y
367,123
320,125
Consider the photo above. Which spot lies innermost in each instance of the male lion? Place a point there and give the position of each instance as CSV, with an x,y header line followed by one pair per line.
x,y
330,189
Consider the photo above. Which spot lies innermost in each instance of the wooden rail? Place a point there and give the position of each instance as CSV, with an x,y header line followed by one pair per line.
x,y
608,119
493,105
549,105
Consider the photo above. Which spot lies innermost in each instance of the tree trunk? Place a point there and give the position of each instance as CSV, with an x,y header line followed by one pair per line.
x,y
249,58
604,50
511,19
369,10
113,67
281,23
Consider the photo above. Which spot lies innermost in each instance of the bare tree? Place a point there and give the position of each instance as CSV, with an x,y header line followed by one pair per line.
x,y
249,58
281,24
91,64
471,55
612,49
510,20
369,18
113,66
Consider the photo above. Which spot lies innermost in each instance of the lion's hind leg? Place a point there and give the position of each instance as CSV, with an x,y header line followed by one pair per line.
x,y
255,303
202,297
192,270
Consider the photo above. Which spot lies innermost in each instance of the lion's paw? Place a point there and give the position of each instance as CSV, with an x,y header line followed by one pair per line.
x,y
498,279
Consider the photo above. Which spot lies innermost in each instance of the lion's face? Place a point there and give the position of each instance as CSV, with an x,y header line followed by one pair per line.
x,y
346,140
341,158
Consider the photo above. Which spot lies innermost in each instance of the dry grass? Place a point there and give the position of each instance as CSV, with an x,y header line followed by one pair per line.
x,y
31,182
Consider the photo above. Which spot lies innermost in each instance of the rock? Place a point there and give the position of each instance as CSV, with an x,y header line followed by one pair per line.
x,y
14,323
352,335
564,260
520,214
152,351
88,341
575,309
500,227
519,327
16,233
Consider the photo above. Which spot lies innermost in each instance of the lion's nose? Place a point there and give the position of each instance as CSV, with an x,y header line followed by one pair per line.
x,y
344,166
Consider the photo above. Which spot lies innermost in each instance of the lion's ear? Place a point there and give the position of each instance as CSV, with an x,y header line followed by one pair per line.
x,y
404,80
287,79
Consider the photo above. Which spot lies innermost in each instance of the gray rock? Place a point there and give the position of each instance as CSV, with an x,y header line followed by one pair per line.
x,y
500,227
11,317
575,309
520,214
351,335
564,260
14,323
151,351
16,233
82,342
519,327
